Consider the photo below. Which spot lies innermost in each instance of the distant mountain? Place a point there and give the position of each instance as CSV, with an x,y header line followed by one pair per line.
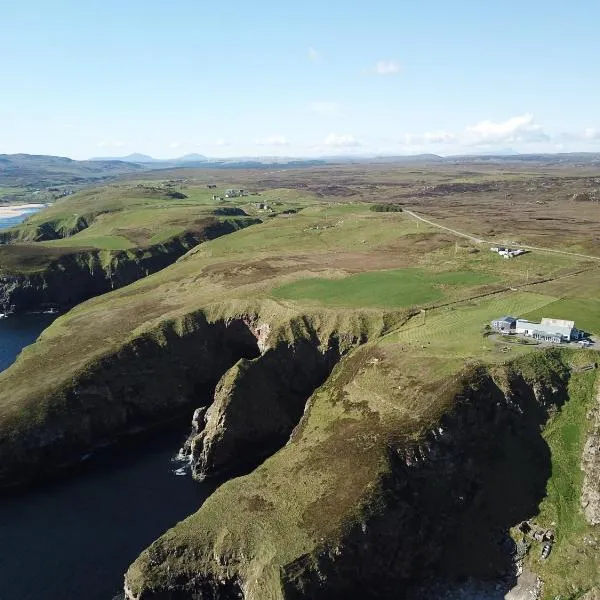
x,y
501,152
43,171
190,158
145,159
425,158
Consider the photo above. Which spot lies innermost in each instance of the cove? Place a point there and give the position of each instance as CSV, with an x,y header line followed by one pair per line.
x,y
74,537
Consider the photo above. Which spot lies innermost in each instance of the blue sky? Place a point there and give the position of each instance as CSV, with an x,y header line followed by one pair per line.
x,y
89,78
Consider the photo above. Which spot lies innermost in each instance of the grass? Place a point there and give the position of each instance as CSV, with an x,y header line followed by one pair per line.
x,y
572,568
333,271
584,311
457,332
99,242
115,218
391,289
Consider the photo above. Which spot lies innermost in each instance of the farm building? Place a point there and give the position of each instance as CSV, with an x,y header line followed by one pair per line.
x,y
235,193
548,330
505,324
507,252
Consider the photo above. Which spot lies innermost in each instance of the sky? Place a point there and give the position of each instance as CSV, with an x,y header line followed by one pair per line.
x,y
312,78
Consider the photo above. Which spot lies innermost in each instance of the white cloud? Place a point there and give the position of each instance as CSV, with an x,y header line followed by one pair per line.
x,y
325,107
343,140
387,67
175,145
591,134
516,129
439,137
313,54
222,143
273,140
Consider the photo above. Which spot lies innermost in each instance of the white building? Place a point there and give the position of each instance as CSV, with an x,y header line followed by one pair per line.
x,y
549,330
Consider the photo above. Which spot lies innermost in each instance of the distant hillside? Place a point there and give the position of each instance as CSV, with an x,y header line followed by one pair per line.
x,y
564,159
29,170
136,157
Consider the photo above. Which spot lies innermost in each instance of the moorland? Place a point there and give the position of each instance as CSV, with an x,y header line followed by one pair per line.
x,y
333,346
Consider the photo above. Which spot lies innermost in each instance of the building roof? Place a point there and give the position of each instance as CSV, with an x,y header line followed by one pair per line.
x,y
508,319
558,326
558,323
524,323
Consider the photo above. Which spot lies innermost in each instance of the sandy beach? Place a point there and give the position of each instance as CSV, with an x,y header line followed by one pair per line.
x,y
15,210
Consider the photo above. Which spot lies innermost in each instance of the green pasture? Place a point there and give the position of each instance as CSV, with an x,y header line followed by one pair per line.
x,y
458,331
317,233
396,288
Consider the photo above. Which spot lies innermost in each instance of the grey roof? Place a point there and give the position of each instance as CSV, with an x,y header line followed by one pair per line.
x,y
524,323
508,319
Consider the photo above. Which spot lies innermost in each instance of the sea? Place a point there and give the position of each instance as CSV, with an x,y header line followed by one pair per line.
x,y
7,222
74,537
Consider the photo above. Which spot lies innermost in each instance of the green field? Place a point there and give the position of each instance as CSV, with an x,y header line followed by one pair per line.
x,y
584,311
397,288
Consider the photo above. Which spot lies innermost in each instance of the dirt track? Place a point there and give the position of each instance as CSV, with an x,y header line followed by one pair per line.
x,y
481,241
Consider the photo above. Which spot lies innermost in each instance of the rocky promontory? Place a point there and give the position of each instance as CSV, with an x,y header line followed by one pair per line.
x,y
366,496
34,276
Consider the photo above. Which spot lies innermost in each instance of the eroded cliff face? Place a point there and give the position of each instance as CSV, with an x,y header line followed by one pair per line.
x,y
263,375
385,508
257,404
157,377
83,274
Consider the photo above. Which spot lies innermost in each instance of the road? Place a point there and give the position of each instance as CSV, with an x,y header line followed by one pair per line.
x,y
481,241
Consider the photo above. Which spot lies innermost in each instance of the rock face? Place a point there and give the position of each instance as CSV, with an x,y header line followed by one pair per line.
x,y
590,464
77,276
127,392
257,404
353,508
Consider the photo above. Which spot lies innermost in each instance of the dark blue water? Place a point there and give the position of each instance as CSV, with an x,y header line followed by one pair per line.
x,y
18,331
74,538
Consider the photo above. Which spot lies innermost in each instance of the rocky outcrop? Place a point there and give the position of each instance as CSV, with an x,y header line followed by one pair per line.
x,y
155,378
358,505
590,464
257,404
82,274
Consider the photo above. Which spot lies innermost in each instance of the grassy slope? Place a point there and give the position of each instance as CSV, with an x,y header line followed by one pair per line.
x,y
311,490
572,567
237,274
245,267
326,481
120,217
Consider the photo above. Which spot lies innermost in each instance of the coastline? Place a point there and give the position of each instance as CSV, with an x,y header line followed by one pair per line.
x,y
16,210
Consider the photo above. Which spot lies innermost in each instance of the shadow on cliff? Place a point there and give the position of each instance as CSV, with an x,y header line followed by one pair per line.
x,y
447,506
514,468
257,405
